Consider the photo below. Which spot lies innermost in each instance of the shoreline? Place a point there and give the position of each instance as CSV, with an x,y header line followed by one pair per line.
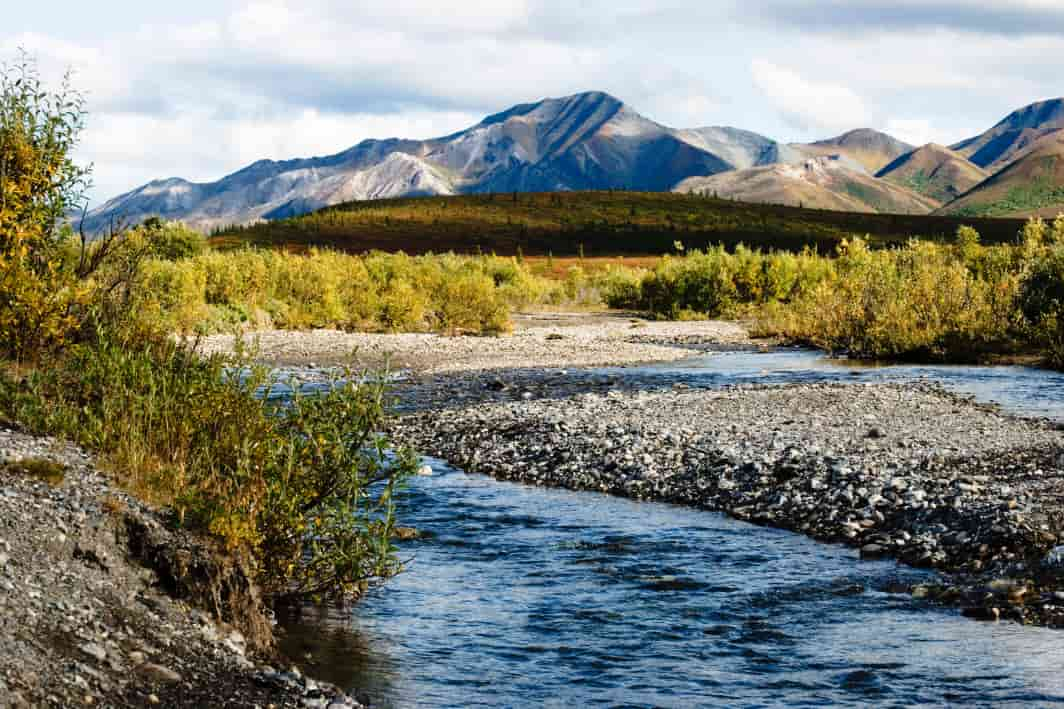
x,y
910,472
103,602
922,475
539,340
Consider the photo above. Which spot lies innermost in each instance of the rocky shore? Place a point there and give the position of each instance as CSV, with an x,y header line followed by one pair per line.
x,y
543,340
904,471
102,603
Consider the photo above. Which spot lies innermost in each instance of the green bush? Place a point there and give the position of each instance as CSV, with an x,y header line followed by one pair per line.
x,y
920,301
1041,301
217,291
306,489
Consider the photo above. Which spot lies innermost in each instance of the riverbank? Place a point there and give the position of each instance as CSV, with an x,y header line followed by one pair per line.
x,y
910,472
539,340
103,603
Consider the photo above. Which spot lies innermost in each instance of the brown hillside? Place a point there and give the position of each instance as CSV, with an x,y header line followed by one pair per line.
x,y
818,183
934,171
871,149
1013,135
1033,184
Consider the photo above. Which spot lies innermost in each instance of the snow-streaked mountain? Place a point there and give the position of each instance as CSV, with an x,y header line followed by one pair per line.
x,y
585,141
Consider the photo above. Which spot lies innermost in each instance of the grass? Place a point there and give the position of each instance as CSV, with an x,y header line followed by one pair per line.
x,y
601,224
43,469
1036,195
306,489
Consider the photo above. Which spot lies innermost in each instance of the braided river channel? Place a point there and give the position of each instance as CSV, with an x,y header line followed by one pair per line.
x,y
517,596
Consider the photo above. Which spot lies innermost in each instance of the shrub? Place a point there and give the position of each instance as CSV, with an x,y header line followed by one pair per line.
x,y
1041,301
307,488
919,301
40,295
172,241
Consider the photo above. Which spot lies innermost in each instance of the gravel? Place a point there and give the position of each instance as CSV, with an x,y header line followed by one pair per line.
x,y
905,471
537,343
84,621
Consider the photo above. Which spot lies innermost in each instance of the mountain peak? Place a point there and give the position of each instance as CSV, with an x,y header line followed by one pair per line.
x,y
866,138
586,99
1013,134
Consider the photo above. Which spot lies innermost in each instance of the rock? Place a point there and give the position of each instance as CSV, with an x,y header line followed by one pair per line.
x,y
876,432
1054,560
158,674
425,471
873,551
981,613
94,651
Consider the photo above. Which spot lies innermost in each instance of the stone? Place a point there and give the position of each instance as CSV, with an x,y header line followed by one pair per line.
x,y
425,471
873,551
158,674
94,651
1054,559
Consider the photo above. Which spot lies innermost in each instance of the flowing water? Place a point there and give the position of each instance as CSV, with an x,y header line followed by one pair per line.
x,y
520,596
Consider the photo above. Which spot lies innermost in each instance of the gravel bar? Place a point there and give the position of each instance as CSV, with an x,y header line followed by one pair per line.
x,y
539,342
912,472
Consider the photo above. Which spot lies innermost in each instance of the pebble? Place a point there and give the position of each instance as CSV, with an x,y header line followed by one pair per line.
x,y
792,456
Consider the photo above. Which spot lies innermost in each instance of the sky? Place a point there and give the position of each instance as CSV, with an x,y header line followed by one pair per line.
x,y
199,88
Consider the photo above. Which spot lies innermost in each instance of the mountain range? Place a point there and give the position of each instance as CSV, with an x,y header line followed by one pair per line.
x,y
592,141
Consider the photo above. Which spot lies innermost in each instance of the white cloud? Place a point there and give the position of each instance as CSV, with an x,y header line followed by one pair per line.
x,y
200,88
809,105
915,131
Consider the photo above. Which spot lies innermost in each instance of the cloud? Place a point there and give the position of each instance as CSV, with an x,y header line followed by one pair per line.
x,y
809,105
991,17
200,88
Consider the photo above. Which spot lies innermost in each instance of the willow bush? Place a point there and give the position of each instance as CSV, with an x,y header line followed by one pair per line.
x,y
306,488
216,291
40,295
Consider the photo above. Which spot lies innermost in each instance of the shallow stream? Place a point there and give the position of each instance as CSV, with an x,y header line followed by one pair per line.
x,y
520,596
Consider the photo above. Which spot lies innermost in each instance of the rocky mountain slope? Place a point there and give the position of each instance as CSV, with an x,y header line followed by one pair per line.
x,y
585,141
593,141
934,171
870,149
1007,139
818,183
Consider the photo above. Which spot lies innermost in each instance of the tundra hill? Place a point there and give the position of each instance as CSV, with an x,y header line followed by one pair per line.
x,y
1013,135
819,183
934,171
871,149
1031,185
602,223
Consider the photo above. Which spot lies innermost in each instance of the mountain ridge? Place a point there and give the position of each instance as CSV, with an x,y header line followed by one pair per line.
x,y
594,141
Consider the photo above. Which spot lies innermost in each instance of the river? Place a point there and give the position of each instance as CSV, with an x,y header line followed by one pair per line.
x,y
521,596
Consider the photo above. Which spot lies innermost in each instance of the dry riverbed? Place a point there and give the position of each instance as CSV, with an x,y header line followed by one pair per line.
x,y
539,340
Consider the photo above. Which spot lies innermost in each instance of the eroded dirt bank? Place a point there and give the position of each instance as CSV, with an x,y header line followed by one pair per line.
x,y
102,603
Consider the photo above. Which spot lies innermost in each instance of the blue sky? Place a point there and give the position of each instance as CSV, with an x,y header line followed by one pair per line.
x,y
198,89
